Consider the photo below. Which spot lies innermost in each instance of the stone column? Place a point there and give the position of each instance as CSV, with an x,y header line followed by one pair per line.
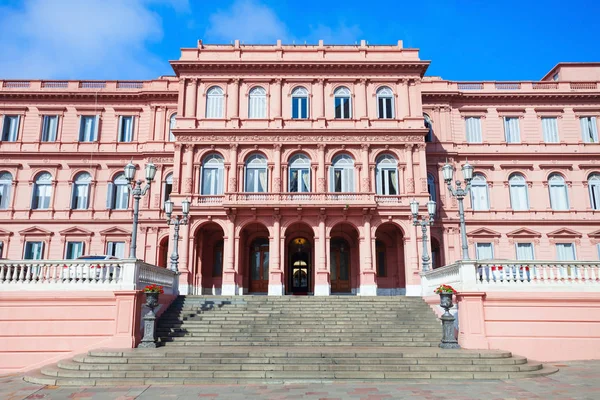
x,y
416,103
277,169
403,104
181,97
275,273
362,102
188,173
368,285
191,98
232,184
234,103
321,188
422,169
183,266
410,172
177,169
319,102
276,103
229,286
322,284
365,184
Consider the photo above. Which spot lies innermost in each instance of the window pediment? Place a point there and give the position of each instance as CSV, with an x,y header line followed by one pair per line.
x,y
115,231
484,233
523,232
76,231
564,233
35,231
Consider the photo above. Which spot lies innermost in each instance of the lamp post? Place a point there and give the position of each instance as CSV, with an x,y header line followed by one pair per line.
x,y
176,221
460,193
425,221
135,188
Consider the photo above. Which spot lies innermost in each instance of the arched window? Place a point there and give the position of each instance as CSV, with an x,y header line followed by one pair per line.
x,y
519,199
385,103
431,189
118,193
300,103
559,200
341,177
214,102
299,179
387,175
594,188
256,174
5,188
343,105
429,127
212,175
479,193
172,123
168,188
81,191
257,105
42,192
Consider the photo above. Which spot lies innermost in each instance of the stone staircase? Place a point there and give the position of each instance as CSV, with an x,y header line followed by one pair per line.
x,y
260,339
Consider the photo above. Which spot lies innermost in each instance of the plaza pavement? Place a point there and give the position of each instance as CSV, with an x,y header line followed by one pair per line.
x,y
575,380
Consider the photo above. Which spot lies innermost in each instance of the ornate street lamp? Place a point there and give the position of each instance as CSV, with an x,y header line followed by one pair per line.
x,y
425,221
460,193
176,221
135,188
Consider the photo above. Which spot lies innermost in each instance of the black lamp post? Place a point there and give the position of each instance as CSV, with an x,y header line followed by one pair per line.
x,y
176,221
460,193
425,221
135,188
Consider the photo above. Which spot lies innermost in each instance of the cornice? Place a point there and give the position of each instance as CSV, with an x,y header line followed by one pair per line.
x,y
75,96
516,95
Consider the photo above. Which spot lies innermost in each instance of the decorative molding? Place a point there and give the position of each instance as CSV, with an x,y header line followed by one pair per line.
x,y
332,138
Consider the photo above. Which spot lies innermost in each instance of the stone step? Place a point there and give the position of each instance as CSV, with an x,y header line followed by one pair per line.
x,y
321,330
299,334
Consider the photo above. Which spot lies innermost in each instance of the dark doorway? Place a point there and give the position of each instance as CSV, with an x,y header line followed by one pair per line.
x,y
300,266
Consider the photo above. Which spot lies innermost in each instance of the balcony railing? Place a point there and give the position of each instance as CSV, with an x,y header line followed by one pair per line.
x,y
23,275
503,275
298,198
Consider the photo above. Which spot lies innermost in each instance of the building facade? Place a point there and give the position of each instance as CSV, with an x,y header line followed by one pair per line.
x,y
300,163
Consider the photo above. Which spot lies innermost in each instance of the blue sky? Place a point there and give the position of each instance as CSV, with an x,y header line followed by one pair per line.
x,y
134,39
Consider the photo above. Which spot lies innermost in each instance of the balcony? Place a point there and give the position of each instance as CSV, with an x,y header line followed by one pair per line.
x,y
298,199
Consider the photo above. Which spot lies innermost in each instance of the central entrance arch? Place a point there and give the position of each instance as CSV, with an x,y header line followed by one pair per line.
x,y
299,269
343,258
254,250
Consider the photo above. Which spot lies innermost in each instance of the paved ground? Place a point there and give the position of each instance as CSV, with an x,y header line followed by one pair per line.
x,y
576,380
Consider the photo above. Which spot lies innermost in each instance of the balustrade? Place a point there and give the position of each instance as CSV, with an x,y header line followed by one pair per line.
x,y
83,275
491,275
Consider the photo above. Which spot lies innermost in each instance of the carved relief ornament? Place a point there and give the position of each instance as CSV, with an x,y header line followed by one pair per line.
x,y
298,138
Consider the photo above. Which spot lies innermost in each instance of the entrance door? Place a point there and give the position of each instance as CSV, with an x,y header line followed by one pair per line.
x,y
300,269
340,266
259,266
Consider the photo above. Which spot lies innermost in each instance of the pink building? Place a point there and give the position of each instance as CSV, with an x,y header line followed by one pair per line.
x,y
300,163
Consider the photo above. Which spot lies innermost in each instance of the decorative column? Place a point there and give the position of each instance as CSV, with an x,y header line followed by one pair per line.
x,y
191,98
184,267
416,103
403,107
319,102
177,169
321,188
181,98
232,184
410,172
277,170
234,104
365,184
275,272
228,286
322,285
363,102
368,285
276,103
422,168
187,171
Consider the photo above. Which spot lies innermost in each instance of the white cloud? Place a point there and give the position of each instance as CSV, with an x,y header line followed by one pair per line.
x,y
247,20
63,39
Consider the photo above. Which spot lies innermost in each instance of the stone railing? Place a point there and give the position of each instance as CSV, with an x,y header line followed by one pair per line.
x,y
522,86
509,275
85,275
74,85
299,198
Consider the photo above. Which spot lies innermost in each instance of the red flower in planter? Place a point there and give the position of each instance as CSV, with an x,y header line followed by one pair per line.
x,y
444,289
154,289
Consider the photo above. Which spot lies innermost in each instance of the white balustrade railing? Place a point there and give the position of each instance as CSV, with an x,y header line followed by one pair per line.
x,y
503,275
299,197
49,275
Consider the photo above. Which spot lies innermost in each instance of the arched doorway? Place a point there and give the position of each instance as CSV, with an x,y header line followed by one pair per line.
x,y
299,264
343,258
436,256
208,277
254,243
389,259
163,253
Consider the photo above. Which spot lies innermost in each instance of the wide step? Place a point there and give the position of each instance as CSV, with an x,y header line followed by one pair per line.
x,y
259,339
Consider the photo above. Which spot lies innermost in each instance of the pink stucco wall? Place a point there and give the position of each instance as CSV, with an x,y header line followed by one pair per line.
x,y
39,328
551,326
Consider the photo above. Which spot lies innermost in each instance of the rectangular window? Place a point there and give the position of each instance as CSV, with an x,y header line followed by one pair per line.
x,y
385,108
550,130
115,249
49,128
484,251
299,107
511,130
125,129
41,197
74,250
88,129
524,251
33,251
342,107
473,126
10,128
2,250
79,200
589,129
565,252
